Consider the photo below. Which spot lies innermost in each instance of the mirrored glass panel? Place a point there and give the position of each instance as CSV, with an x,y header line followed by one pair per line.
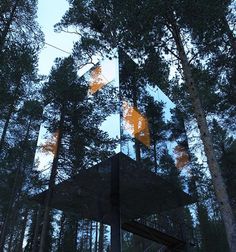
x,y
152,128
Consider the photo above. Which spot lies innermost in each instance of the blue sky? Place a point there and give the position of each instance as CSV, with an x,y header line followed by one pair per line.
x,y
49,13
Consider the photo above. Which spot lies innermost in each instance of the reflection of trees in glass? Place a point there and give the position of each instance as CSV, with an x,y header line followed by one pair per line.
x,y
168,169
168,26
97,79
143,117
165,135
178,220
132,91
50,146
178,134
155,115
139,105
76,117
136,124
182,157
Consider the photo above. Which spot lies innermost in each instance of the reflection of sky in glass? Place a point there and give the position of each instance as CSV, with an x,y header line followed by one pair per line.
x,y
137,90
107,73
110,75
161,97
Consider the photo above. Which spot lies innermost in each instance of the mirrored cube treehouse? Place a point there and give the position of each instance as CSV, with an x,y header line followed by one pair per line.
x,y
127,159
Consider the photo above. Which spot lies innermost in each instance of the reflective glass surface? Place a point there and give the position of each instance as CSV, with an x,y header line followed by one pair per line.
x,y
152,128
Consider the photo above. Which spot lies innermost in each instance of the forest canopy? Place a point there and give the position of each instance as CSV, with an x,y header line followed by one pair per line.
x,y
185,48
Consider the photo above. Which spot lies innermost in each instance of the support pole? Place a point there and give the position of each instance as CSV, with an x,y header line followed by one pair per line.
x,y
115,205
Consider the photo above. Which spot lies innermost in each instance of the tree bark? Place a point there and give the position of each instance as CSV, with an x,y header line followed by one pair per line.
x,y
136,141
81,245
12,226
22,233
155,155
36,230
101,238
9,246
75,234
91,236
15,190
4,132
218,183
96,238
59,246
48,199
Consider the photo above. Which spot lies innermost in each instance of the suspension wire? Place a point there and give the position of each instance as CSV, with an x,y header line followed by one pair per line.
x,y
55,47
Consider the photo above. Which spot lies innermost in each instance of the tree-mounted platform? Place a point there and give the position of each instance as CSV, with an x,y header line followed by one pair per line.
x,y
154,235
141,194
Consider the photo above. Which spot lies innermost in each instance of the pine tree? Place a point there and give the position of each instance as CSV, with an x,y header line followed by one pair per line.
x,y
225,146
17,23
18,71
128,26
78,141
18,163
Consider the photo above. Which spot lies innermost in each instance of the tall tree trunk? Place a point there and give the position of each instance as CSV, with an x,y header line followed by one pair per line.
x,y
75,233
219,186
91,236
8,25
12,226
4,132
22,233
8,217
11,110
81,245
194,192
36,230
101,238
136,141
46,217
96,238
59,246
137,150
87,235
155,155
15,190
9,246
